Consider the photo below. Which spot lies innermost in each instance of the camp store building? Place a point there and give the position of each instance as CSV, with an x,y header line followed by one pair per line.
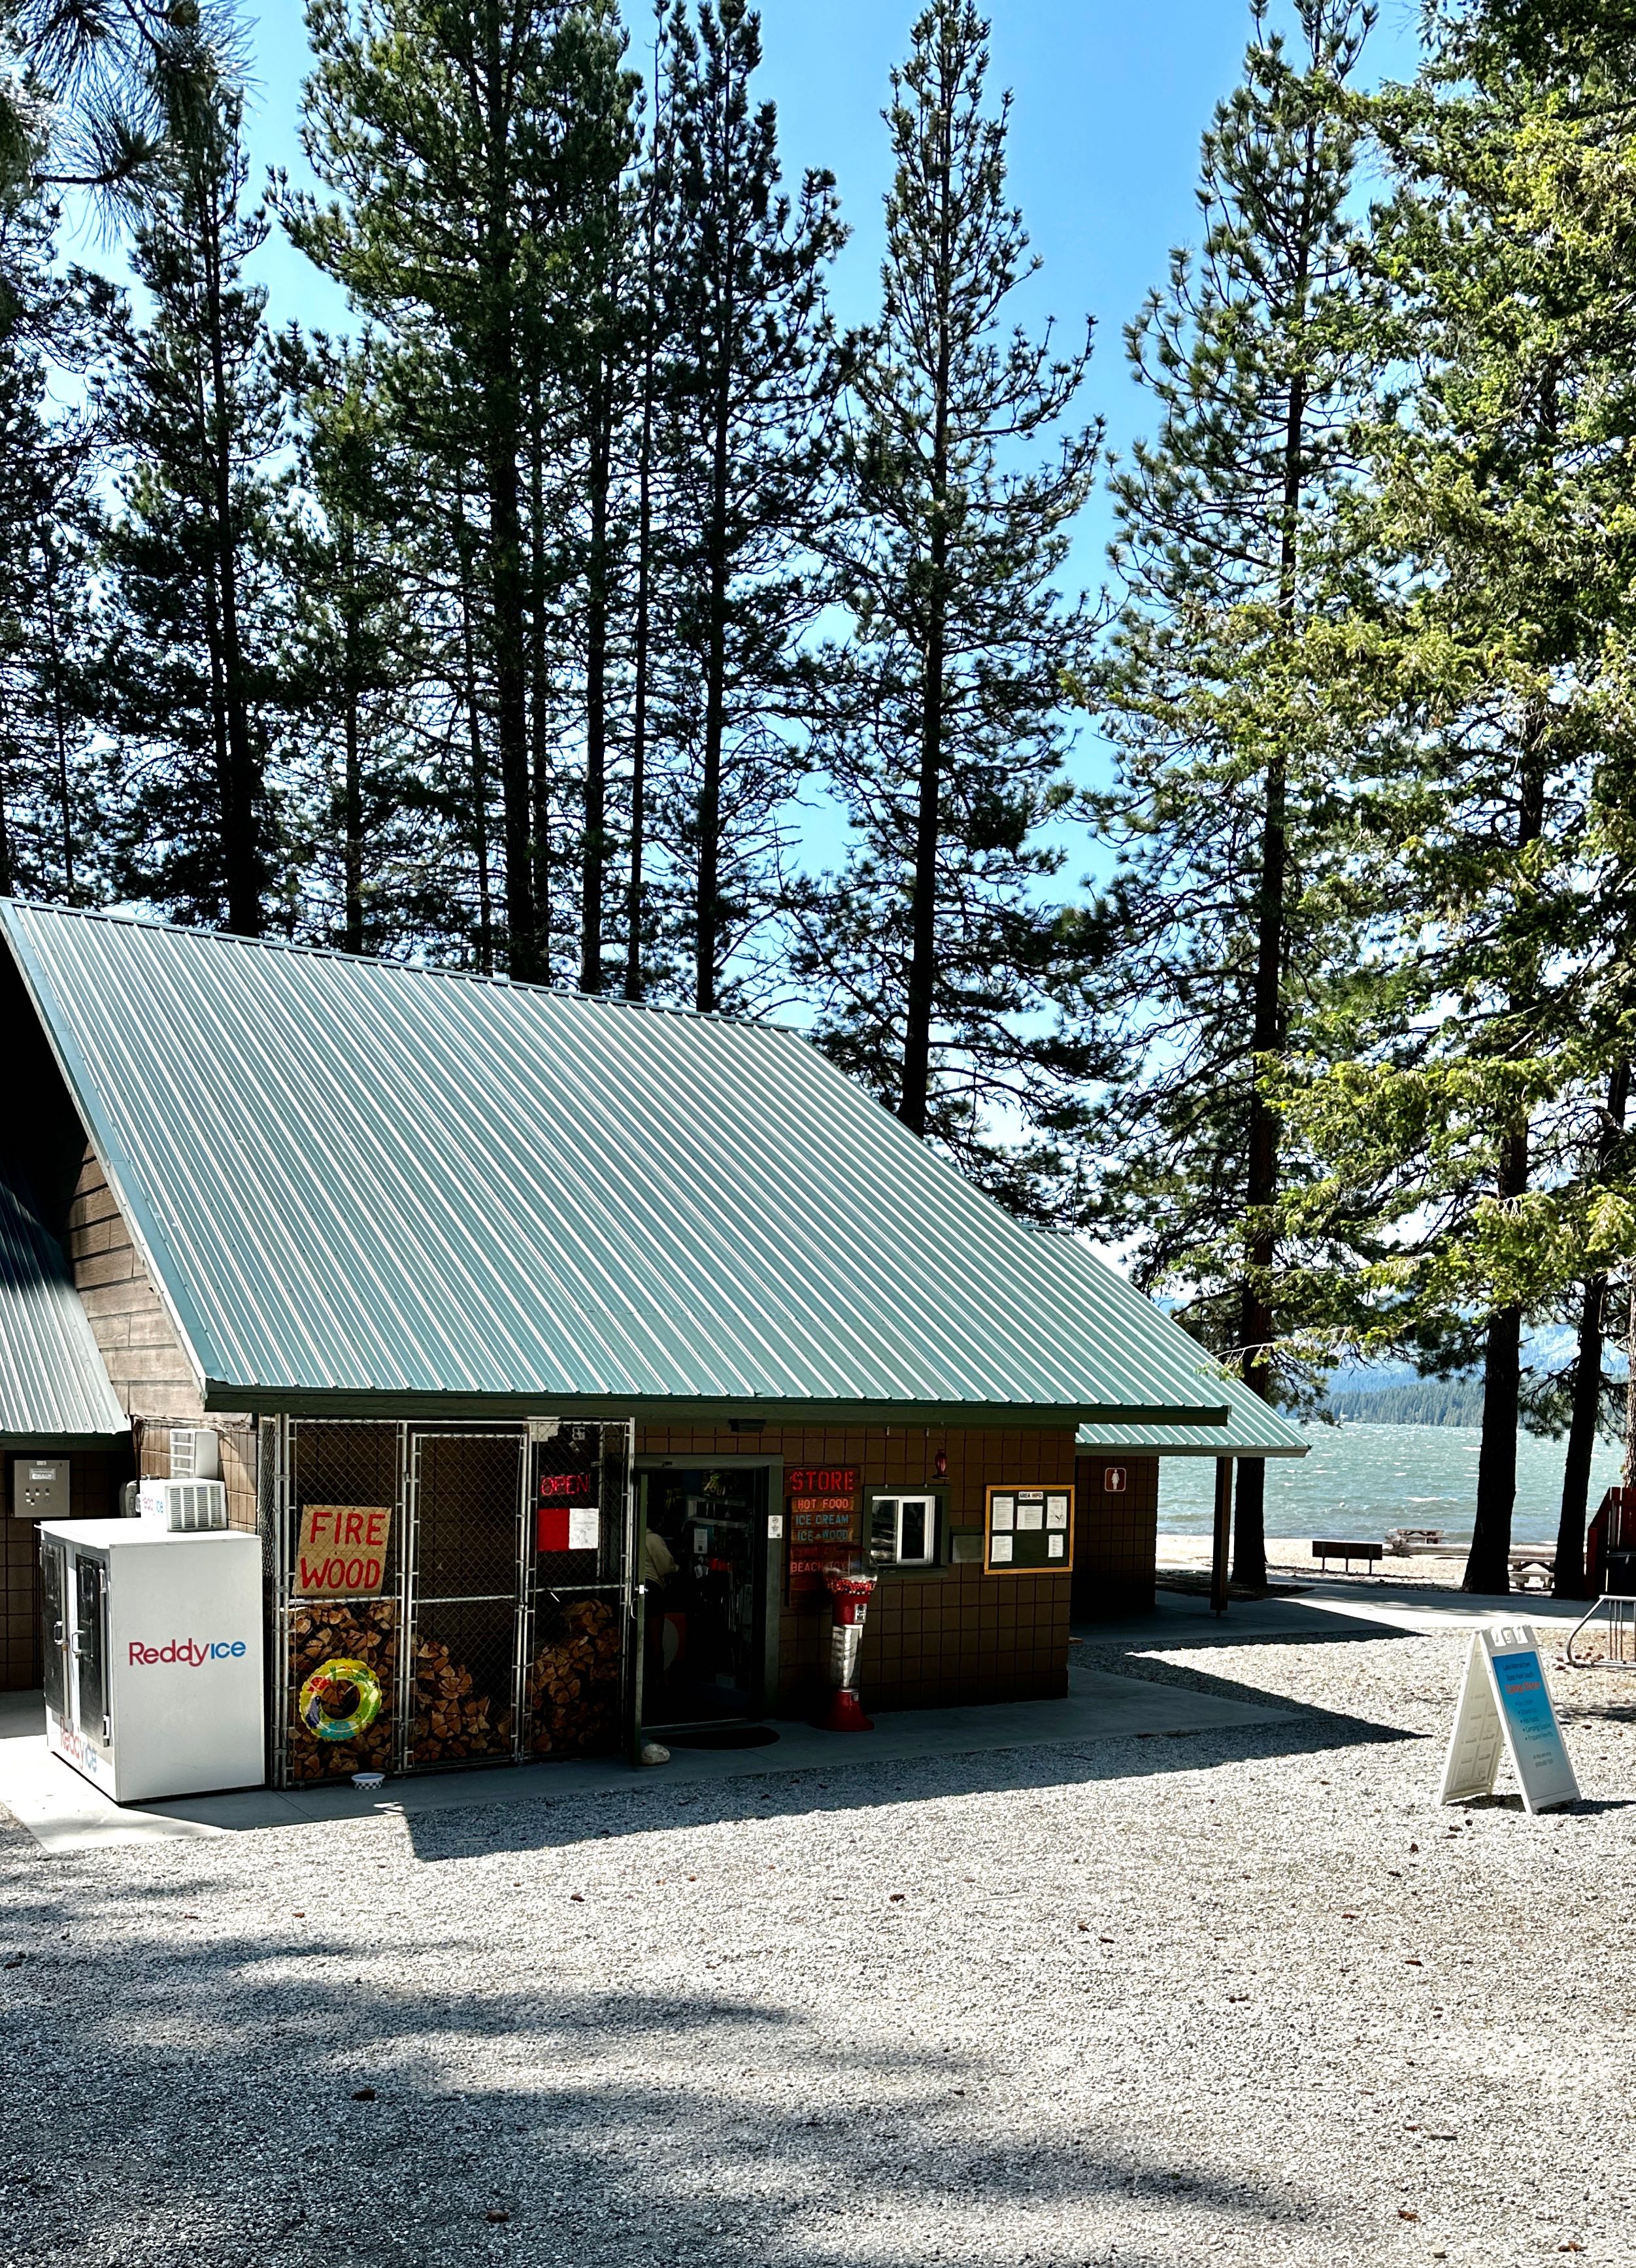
x,y
553,1346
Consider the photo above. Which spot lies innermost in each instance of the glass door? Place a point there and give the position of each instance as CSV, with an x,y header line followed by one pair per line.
x,y
53,1624
90,1647
704,1557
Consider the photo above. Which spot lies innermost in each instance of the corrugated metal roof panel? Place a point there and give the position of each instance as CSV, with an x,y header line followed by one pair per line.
x,y
359,1179
1252,1430
53,1386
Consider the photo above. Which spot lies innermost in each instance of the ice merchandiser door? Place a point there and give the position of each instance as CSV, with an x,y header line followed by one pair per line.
x,y
54,1624
90,1647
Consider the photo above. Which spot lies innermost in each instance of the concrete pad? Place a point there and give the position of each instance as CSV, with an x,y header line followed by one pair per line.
x,y
1366,1608
65,1813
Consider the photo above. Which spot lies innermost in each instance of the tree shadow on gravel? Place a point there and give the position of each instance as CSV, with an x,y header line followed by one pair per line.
x,y
198,2100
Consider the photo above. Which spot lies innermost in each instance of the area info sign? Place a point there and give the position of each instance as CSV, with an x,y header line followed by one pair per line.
x,y
1505,1705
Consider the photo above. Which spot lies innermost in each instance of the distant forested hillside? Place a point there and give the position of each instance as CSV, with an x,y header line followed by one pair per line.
x,y
1422,1401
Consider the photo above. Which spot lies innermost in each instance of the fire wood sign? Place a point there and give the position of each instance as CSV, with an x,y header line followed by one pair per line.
x,y
341,1551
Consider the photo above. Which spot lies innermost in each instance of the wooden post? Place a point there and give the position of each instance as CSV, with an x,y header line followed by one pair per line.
x,y
1224,1535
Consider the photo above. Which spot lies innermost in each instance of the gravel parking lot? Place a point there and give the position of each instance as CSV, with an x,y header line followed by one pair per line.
x,y
1236,1997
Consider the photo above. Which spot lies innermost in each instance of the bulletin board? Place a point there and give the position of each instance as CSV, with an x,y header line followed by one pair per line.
x,y
1029,1531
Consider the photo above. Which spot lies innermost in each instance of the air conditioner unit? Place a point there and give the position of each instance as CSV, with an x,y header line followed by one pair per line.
x,y
195,1454
184,1507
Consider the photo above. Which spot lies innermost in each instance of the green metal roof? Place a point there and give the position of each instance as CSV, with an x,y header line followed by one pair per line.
x,y
53,1386
368,1186
1252,1430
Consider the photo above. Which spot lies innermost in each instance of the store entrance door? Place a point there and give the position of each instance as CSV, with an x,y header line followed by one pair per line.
x,y
704,1657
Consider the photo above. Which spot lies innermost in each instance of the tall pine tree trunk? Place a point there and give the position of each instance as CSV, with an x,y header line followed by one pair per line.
x,y
708,915
639,713
1569,1579
914,1092
352,785
59,708
597,607
480,770
501,412
241,850
1257,1324
1488,1563
538,750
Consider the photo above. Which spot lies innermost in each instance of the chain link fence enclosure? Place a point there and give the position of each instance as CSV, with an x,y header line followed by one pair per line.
x,y
502,1625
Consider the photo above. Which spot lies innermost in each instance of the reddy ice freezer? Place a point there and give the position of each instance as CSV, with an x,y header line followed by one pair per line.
x,y
153,1672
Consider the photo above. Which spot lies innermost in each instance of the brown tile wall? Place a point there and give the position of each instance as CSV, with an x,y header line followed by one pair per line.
x,y
95,1478
949,1636
1116,1538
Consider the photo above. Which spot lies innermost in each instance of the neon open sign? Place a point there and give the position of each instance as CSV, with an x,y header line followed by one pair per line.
x,y
564,1488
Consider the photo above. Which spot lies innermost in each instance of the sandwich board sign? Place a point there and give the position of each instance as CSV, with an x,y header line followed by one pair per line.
x,y
1505,1705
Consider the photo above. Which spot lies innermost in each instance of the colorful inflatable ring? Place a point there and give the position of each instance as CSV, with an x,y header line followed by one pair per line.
x,y
332,1678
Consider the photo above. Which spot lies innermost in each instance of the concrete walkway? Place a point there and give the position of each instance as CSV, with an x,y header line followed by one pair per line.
x,y
65,1813
1335,1607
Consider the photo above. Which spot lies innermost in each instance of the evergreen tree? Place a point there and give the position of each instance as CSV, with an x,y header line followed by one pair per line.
x,y
1234,734
48,318
743,391
195,409
362,617
442,126
939,720
1462,1108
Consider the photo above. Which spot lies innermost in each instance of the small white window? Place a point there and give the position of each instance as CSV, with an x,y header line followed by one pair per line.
x,y
903,1531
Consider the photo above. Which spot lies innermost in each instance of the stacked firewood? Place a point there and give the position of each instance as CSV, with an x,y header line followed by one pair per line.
x,y
349,1632
452,1721
574,1683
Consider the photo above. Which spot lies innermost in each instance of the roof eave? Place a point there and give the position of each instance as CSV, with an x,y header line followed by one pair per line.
x,y
316,1402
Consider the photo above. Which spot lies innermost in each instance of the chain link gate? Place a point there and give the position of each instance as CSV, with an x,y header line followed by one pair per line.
x,y
502,1625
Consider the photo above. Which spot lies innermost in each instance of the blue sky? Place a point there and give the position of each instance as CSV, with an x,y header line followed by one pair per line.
x,y
1111,99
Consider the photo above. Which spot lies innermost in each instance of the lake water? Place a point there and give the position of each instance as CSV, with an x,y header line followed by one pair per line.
x,y
1360,1480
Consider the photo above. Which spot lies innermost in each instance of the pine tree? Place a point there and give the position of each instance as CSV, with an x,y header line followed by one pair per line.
x,y
362,613
1232,739
744,388
939,721
441,126
50,319
1463,1112
196,410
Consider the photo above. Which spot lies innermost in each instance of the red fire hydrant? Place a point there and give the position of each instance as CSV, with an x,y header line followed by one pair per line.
x,y
849,1601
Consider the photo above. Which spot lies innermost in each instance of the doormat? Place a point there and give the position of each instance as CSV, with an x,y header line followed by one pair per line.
x,y
721,1736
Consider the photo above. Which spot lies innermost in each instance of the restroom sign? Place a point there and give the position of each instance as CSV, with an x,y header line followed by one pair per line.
x,y
1113,1480
1504,1707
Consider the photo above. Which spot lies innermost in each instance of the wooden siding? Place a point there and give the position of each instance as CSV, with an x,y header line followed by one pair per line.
x,y
139,1343
951,1634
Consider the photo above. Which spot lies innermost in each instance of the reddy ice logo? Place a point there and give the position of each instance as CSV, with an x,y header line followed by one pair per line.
x,y
188,1652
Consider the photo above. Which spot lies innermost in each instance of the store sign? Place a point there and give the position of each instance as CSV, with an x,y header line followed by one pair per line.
x,y
1029,1531
826,1523
1504,1707
342,1549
